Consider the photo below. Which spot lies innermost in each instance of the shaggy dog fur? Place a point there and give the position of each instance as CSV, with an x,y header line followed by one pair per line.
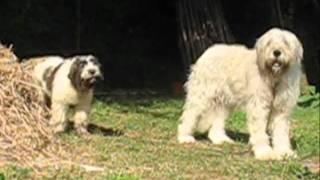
x,y
264,81
68,83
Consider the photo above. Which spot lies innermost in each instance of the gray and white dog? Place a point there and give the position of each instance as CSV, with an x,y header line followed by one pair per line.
x,y
68,83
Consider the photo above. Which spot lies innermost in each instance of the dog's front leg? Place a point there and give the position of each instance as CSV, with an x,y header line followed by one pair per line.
x,y
80,118
257,115
58,117
280,135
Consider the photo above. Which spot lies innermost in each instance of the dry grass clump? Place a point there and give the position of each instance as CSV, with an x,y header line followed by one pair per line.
x,y
6,55
25,137
24,131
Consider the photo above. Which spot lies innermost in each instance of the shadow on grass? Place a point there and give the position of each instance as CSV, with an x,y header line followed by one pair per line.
x,y
135,100
98,129
238,137
234,135
244,137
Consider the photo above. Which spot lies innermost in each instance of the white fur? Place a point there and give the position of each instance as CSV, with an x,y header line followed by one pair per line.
x,y
64,94
230,76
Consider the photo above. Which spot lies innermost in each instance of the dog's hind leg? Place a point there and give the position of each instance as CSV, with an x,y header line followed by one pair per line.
x,y
186,128
58,117
190,118
217,133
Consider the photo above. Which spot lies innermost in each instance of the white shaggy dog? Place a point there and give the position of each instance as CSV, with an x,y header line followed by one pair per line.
x,y
68,83
264,81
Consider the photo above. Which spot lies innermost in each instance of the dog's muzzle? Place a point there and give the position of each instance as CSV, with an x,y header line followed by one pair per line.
x,y
91,81
277,66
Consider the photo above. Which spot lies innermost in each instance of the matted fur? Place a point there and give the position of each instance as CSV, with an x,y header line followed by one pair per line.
x,y
264,81
68,84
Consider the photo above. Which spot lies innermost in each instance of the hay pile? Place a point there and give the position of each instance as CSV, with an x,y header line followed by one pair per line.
x,y
25,137
24,131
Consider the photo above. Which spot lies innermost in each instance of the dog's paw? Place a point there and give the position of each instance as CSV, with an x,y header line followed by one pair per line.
x,y
264,153
281,154
220,139
58,129
82,131
186,139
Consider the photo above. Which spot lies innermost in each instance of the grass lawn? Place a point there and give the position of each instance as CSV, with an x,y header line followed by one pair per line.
x,y
146,147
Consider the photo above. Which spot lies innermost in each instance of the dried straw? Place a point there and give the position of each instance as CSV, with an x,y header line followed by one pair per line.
x,y
25,137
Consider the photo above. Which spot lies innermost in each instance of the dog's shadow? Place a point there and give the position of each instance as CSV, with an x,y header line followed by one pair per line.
x,y
105,131
240,137
99,130
236,136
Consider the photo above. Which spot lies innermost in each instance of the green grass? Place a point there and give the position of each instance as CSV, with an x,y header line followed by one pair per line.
x,y
147,147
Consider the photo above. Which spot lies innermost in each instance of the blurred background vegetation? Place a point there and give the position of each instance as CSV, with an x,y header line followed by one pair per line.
x,y
151,44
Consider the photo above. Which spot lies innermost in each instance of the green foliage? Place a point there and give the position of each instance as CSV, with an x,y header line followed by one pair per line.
x,y
309,98
2,177
301,172
15,172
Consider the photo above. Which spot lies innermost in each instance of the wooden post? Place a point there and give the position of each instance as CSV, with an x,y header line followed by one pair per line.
x,y
201,24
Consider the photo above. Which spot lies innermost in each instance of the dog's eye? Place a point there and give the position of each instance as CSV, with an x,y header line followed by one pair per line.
x,y
268,43
95,61
83,63
286,42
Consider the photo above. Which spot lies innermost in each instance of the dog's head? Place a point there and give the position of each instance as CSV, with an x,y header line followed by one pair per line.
x,y
277,50
85,71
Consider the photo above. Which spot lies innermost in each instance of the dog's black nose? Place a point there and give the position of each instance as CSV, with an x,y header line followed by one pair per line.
x,y
276,53
92,71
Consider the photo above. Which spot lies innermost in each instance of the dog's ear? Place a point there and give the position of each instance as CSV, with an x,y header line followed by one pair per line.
x,y
72,71
297,45
261,42
75,73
